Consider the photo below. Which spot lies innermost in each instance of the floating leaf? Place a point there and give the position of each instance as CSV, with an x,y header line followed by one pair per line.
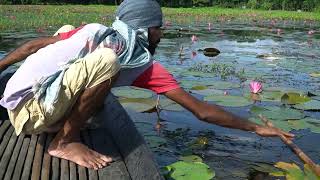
x,y
131,92
315,74
138,104
169,105
225,85
277,123
199,87
278,113
191,158
230,101
262,167
293,172
155,141
188,84
309,173
207,92
211,52
145,128
271,95
294,98
310,105
298,124
313,124
197,74
189,171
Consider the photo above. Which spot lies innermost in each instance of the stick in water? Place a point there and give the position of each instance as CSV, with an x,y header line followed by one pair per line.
x,y
315,168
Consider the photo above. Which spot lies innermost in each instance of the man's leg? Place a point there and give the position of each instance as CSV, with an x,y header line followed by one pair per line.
x,y
85,85
67,143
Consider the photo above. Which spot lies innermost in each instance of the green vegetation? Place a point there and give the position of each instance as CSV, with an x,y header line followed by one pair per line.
x,y
51,16
305,5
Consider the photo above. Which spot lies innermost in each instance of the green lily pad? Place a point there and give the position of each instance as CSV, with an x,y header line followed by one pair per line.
x,y
131,92
277,113
188,84
298,124
294,98
310,105
316,98
191,158
197,74
145,128
230,101
201,87
315,74
263,167
309,173
225,85
138,104
189,171
155,141
292,171
314,93
274,96
169,105
207,92
285,90
313,124
279,124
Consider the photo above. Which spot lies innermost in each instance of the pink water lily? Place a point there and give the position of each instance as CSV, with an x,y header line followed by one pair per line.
x,y
311,32
255,87
209,26
194,38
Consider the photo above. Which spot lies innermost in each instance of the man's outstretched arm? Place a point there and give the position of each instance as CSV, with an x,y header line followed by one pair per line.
x,y
216,115
26,50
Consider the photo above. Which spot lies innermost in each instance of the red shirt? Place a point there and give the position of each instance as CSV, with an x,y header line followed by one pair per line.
x,y
155,78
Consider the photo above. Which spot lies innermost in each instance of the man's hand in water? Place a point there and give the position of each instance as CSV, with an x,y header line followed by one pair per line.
x,y
272,131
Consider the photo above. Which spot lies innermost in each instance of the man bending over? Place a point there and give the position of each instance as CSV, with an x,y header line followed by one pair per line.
x,y
65,79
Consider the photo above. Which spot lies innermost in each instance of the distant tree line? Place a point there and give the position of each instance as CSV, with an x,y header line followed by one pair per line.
x,y
304,5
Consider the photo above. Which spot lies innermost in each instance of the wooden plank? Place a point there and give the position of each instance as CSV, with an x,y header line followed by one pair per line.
x,y
55,168
4,127
64,169
45,170
37,161
93,174
73,171
82,171
103,144
7,155
137,155
5,141
21,159
29,159
14,157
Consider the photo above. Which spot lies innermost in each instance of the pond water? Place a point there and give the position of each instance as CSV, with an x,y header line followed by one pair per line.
x,y
285,57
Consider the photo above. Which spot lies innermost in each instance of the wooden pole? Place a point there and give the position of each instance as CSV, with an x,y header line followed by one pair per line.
x,y
314,167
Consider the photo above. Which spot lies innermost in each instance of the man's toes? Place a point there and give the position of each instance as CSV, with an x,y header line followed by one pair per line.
x,y
100,161
105,158
93,165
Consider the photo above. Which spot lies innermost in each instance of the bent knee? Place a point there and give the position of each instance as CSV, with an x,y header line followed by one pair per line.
x,y
108,58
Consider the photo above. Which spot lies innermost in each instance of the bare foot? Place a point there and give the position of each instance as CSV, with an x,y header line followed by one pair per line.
x,y
78,153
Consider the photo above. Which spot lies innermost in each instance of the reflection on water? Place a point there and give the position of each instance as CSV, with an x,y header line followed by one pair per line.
x,y
292,56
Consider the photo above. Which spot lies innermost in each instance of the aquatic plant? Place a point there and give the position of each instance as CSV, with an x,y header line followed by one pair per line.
x,y
255,87
224,70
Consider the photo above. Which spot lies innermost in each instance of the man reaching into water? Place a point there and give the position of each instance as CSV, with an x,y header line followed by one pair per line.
x,y
65,79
